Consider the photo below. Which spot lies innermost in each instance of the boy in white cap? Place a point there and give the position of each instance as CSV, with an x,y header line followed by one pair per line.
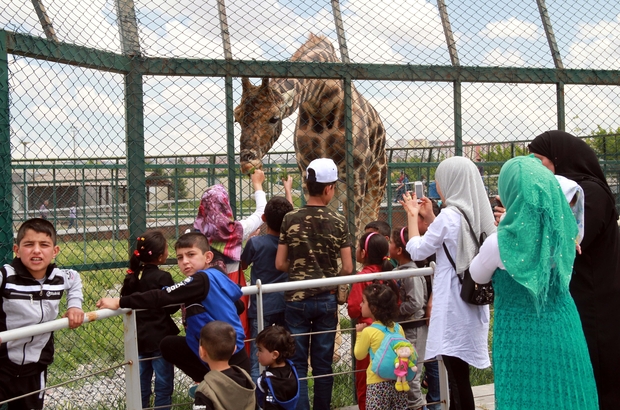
x,y
312,238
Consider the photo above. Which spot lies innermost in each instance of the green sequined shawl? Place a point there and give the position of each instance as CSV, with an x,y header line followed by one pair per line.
x,y
537,235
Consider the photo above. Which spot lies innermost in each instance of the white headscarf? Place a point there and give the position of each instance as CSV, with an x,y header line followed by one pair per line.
x,y
572,190
461,186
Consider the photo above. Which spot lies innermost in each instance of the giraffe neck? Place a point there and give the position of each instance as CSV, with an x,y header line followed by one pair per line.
x,y
316,49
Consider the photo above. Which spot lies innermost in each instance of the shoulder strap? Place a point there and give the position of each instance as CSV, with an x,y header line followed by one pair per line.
x,y
471,230
445,248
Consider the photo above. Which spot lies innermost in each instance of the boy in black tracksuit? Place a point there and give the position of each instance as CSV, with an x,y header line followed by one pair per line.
x,y
31,288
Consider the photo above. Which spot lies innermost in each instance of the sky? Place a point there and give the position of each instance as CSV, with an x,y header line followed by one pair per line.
x,y
60,111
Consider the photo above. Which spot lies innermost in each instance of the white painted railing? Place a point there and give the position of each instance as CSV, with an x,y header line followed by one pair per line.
x,y
132,372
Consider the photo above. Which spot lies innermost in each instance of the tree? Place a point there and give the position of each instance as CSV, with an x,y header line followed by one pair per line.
x,y
606,143
501,153
179,180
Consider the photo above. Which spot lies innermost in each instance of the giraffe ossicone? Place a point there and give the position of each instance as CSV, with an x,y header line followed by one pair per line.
x,y
320,128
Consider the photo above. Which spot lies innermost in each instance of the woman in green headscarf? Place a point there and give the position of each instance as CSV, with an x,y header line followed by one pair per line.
x,y
540,356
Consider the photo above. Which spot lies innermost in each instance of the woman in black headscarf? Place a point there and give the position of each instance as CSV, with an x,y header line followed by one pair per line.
x,y
595,284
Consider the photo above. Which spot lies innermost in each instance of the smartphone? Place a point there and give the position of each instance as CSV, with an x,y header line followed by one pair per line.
x,y
419,189
497,202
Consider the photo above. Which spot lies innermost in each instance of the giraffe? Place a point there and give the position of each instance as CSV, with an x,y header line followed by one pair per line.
x,y
320,128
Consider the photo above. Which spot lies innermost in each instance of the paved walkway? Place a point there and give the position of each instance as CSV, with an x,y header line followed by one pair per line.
x,y
483,395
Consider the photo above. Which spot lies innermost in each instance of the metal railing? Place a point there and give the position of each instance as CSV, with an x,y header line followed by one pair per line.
x,y
131,360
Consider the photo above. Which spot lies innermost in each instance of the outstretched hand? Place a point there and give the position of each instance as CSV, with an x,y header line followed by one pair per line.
x,y
108,303
410,204
258,177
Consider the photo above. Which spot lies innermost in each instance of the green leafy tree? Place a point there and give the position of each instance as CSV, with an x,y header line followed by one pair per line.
x,y
606,143
501,153
179,180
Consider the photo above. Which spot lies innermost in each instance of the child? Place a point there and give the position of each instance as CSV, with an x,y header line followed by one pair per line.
x,y
371,252
414,298
379,303
32,287
382,228
225,386
153,324
260,251
278,385
226,235
208,295
311,240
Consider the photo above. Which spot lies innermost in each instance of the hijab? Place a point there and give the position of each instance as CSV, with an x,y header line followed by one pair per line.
x,y
537,235
572,157
461,185
215,220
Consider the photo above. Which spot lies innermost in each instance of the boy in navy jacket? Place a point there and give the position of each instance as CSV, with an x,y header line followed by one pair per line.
x,y
208,295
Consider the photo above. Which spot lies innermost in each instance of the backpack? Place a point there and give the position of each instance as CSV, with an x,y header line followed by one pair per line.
x,y
286,405
385,357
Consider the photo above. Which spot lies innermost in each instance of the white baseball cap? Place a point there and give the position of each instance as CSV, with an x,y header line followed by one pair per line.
x,y
325,171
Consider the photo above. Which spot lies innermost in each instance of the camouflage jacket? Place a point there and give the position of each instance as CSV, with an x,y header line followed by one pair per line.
x,y
314,235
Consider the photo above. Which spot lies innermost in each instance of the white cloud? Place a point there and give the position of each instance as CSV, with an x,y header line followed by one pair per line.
x,y
511,28
503,58
596,46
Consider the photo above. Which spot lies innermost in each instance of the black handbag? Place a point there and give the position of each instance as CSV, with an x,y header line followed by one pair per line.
x,y
472,292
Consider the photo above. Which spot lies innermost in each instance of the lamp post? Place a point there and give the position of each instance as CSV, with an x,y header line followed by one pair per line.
x,y
73,132
25,145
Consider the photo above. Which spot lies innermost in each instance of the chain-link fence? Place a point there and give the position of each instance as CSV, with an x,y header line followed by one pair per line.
x,y
116,115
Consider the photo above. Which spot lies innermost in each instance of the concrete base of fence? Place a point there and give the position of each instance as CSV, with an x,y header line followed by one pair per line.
x,y
484,397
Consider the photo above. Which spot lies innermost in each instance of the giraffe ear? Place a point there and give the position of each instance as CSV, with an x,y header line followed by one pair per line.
x,y
287,98
246,84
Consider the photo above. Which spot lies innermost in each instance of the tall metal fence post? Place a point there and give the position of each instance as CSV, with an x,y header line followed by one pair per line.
x,y
561,106
458,120
230,119
348,143
444,391
260,323
136,180
132,369
6,196
557,60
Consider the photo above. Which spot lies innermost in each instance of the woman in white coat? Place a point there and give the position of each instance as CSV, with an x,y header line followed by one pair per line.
x,y
458,331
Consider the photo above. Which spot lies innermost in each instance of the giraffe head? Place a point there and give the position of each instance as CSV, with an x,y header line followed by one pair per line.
x,y
260,114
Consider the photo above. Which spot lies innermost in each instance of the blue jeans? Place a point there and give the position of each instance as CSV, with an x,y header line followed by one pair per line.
x,y
315,314
431,371
268,320
164,379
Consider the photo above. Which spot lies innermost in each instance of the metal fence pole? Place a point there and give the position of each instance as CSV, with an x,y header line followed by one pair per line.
x,y
444,392
132,369
348,142
6,196
260,323
136,180
458,120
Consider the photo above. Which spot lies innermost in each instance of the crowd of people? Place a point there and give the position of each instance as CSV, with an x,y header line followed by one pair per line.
x,y
551,249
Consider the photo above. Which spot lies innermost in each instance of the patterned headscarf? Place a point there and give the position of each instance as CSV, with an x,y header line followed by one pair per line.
x,y
537,235
215,220
461,185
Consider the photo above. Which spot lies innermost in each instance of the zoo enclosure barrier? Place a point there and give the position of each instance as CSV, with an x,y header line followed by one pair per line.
x,y
132,375
93,79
